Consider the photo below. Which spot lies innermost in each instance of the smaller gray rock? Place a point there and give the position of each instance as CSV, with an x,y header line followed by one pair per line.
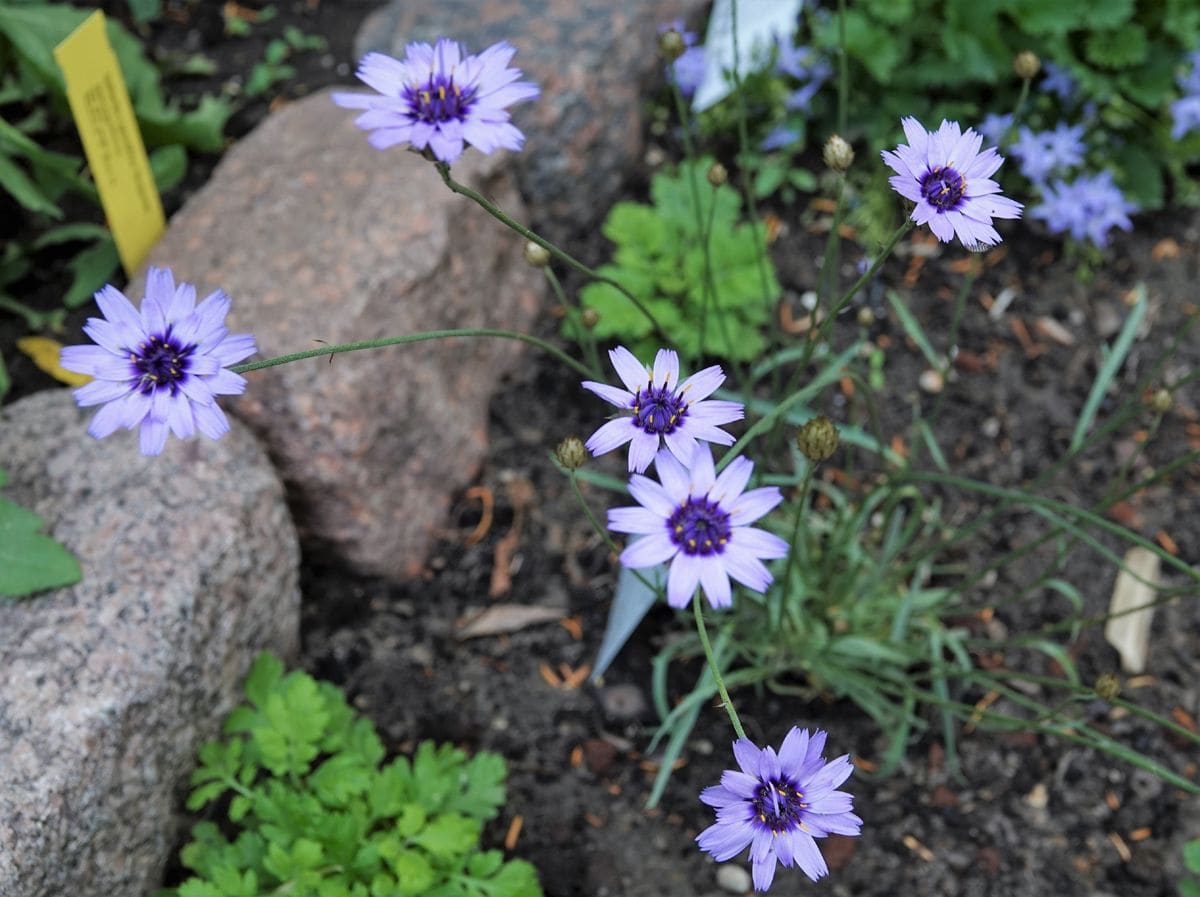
x,y
190,567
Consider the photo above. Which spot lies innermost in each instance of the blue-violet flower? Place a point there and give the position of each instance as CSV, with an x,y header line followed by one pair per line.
x,y
661,409
778,804
949,179
1058,81
441,98
1087,207
161,368
699,521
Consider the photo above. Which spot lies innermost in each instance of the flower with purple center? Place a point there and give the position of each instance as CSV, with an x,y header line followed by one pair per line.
x,y
659,409
949,179
161,368
439,97
699,521
1088,207
778,805
1058,81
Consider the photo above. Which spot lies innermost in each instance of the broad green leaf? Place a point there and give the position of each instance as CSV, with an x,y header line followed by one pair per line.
x,y
25,190
168,165
90,269
29,561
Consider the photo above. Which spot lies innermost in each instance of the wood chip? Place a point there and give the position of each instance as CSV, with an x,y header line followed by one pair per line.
x,y
514,832
1167,543
1184,718
549,675
918,848
573,626
502,618
1128,628
1051,329
1140,834
1021,332
1111,800
576,756
1165,249
484,496
1123,850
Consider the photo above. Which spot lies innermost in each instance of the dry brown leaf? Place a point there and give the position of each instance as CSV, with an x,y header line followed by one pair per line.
x,y
1128,627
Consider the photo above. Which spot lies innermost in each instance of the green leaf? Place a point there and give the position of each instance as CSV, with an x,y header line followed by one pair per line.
x,y
144,11
24,189
1191,855
29,561
90,269
482,795
168,164
1040,17
197,887
516,878
449,835
262,679
1118,49
413,872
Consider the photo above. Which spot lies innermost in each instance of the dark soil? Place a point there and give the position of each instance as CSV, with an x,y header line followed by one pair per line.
x,y
1028,816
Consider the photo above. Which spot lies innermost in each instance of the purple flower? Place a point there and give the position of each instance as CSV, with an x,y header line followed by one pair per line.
x,y
802,64
441,98
1043,153
1185,113
688,70
780,136
699,522
1189,82
1088,208
995,127
162,368
1057,81
949,179
778,804
661,409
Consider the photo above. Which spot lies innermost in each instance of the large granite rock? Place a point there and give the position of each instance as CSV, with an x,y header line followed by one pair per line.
x,y
321,239
108,688
594,62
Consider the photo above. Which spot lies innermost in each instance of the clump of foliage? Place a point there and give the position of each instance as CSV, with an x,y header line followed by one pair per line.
x,y
714,303
318,813
1190,886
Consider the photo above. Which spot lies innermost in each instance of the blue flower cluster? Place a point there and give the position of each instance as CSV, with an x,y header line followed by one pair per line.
x,y
1185,112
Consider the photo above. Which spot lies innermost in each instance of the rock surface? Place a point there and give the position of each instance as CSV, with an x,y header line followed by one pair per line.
x,y
190,567
594,62
320,239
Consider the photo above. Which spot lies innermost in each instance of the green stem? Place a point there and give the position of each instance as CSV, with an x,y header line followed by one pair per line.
x,y
702,632
843,69
575,315
603,532
494,210
801,512
414,338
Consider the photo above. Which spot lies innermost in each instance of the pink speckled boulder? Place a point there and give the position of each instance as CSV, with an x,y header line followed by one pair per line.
x,y
108,688
320,239
595,63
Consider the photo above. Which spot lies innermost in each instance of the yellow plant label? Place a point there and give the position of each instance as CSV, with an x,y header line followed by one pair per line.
x,y
44,352
111,140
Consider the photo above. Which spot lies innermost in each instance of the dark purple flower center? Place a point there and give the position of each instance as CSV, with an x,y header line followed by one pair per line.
x,y
161,361
439,100
658,410
779,806
699,526
943,188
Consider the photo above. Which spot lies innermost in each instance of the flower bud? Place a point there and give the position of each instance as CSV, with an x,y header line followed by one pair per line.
x,y
717,174
838,154
536,255
1027,65
571,453
589,317
1107,686
817,439
671,45
1160,402
865,317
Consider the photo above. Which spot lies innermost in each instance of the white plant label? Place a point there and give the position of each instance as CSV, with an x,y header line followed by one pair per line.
x,y
759,23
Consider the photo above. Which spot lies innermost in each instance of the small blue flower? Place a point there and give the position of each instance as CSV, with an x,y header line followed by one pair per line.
x,y
161,368
995,127
1088,208
806,67
949,179
442,98
1185,113
700,522
1044,153
1058,81
659,410
780,136
778,805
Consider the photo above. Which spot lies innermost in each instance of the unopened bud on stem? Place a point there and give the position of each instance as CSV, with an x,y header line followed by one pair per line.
x,y
589,317
571,453
817,439
1107,686
671,45
1027,65
717,174
838,154
536,255
1160,402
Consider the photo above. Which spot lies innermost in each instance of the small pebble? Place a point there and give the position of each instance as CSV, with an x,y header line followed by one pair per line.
x,y
733,879
623,702
1039,797
931,381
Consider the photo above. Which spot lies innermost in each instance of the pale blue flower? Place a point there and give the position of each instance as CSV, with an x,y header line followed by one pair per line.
x,y
1088,208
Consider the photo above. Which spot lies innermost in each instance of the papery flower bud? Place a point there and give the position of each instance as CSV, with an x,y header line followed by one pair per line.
x,y
571,453
589,317
671,45
1108,686
1160,402
817,439
536,255
718,174
838,154
865,317
1027,65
